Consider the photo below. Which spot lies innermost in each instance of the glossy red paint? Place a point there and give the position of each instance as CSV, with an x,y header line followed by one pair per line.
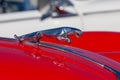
x,y
29,61
104,43
112,55
93,41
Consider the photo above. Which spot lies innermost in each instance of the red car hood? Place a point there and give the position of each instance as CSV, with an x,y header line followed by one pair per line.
x,y
104,43
93,41
49,61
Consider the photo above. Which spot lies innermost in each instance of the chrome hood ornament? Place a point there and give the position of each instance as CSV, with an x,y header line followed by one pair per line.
x,y
61,33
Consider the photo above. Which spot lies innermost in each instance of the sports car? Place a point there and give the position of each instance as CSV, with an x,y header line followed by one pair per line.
x,y
32,57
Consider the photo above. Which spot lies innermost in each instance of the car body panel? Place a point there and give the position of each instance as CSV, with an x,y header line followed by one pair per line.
x,y
31,61
93,41
104,43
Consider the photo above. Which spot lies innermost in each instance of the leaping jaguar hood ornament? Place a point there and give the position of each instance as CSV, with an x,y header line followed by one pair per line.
x,y
61,33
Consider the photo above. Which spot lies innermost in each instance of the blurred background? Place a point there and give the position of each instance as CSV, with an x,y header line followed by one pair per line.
x,y
25,16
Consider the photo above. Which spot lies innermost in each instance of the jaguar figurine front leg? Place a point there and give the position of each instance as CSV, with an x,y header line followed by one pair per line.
x,y
64,38
66,32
